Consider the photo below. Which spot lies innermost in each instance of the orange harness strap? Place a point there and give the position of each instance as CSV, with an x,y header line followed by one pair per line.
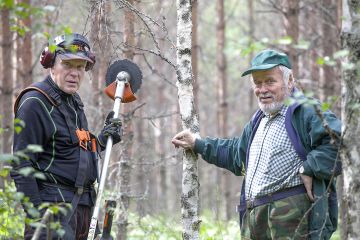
x,y
84,138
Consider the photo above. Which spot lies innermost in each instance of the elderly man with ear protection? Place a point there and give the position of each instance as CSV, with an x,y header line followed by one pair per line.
x,y
54,119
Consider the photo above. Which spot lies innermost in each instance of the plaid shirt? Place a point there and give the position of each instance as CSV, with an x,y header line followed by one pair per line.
x,y
273,162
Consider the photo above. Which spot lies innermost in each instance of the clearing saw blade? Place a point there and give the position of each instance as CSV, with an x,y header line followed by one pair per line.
x,y
127,66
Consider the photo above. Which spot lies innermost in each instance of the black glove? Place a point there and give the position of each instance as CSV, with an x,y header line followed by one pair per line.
x,y
112,127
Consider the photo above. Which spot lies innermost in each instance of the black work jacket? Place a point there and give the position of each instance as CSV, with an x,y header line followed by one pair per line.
x,y
54,130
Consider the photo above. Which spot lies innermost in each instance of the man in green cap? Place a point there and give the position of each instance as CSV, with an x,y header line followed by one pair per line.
x,y
287,155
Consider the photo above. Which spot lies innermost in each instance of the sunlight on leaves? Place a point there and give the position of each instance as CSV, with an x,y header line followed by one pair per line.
x,y
302,44
49,8
320,61
26,171
341,54
6,157
18,125
285,40
34,148
39,175
325,106
347,66
329,61
67,30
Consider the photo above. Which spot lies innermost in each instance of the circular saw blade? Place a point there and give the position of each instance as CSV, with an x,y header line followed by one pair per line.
x,y
127,66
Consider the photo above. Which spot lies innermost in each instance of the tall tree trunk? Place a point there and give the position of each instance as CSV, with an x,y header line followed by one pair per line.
x,y
7,81
291,23
160,153
329,84
142,203
222,101
101,46
24,63
340,180
27,52
350,149
194,53
95,40
251,55
127,141
190,181
310,68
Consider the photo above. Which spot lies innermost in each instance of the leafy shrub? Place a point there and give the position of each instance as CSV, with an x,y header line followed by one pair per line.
x,y
165,228
11,214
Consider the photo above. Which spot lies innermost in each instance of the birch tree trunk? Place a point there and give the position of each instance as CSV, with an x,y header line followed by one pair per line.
x,y
350,149
194,52
190,183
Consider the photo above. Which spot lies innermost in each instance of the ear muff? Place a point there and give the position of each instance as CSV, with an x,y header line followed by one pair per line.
x,y
47,58
90,65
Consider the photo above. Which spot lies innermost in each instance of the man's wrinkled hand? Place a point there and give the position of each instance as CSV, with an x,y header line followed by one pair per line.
x,y
184,139
307,180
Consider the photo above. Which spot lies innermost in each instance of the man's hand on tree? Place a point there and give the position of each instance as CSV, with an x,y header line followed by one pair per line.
x,y
184,139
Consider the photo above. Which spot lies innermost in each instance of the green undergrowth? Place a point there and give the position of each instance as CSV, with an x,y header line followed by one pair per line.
x,y
161,228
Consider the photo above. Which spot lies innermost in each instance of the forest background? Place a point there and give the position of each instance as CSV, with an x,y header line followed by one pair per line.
x,y
145,172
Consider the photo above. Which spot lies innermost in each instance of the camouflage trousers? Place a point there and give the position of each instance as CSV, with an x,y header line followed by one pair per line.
x,y
283,219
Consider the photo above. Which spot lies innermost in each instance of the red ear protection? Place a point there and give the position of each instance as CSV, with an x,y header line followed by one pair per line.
x,y
90,65
47,58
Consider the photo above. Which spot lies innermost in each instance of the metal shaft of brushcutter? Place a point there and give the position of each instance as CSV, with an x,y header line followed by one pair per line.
x,y
121,79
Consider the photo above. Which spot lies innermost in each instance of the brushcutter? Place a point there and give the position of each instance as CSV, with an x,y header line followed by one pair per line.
x,y
123,79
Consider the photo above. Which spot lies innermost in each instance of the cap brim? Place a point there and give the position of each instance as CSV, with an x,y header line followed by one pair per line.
x,y
259,68
75,56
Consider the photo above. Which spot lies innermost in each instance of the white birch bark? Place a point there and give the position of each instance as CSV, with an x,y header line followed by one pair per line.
x,y
190,183
350,149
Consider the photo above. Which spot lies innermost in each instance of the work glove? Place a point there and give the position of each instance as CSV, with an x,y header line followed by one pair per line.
x,y
112,127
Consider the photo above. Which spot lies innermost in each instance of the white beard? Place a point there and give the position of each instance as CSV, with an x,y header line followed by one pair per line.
x,y
274,107
271,108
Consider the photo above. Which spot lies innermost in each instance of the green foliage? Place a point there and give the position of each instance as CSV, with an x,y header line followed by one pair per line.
x,y
12,216
11,213
336,235
19,12
286,40
164,228
7,4
211,229
302,44
18,125
153,228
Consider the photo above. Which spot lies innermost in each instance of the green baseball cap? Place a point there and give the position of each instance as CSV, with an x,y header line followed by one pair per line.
x,y
268,59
